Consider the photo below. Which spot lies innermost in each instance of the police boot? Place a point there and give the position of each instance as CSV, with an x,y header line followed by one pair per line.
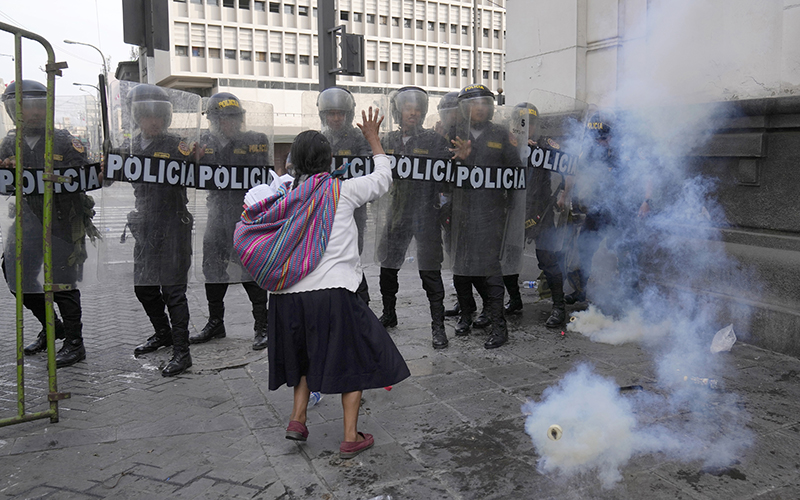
x,y
181,359
260,328
162,338
40,344
389,316
455,311
514,305
498,335
214,329
72,350
483,320
559,313
437,326
579,294
464,324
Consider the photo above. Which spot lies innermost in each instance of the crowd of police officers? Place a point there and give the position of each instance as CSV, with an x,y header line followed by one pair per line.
x,y
481,226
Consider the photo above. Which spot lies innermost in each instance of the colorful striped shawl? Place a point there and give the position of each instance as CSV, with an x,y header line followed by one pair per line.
x,y
282,239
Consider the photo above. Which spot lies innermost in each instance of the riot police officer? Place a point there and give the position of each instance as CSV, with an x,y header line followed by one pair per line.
x,y
337,108
547,192
72,213
480,215
227,144
413,212
162,226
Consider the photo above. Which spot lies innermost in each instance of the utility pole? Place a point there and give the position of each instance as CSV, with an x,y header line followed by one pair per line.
x,y
475,42
326,20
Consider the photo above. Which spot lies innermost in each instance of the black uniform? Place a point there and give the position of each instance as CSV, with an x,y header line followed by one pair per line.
x,y
478,223
220,259
162,227
72,213
414,212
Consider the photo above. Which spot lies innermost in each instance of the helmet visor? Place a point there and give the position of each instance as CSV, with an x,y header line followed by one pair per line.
x,y
146,109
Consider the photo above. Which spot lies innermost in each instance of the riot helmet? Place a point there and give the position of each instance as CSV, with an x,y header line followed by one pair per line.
x,y
599,126
526,115
407,102
149,101
336,107
224,105
34,104
476,103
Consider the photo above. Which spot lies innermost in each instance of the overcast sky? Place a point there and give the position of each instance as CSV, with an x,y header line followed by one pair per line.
x,y
98,22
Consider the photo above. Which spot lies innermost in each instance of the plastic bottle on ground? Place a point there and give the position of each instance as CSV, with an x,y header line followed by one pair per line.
x,y
314,398
530,284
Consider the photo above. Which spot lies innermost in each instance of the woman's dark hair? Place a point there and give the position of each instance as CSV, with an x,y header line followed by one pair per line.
x,y
311,154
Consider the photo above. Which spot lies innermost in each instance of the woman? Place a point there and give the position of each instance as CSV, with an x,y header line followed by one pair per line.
x,y
322,337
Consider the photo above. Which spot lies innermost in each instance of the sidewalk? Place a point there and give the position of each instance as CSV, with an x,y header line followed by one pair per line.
x,y
454,430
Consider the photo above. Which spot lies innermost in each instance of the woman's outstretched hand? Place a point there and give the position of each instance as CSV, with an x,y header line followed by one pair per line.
x,y
370,127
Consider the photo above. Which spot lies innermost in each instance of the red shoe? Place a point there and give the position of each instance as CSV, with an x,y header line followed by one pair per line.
x,y
349,449
296,431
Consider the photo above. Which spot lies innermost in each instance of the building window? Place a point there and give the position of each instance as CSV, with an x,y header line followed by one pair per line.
x,y
305,60
496,75
244,4
463,30
419,24
197,1
443,71
431,25
370,64
370,18
228,3
230,54
485,32
453,29
453,72
395,66
260,6
497,34
302,10
245,55
464,73
383,20
407,68
419,68
198,52
274,57
213,53
485,75
288,9
261,56
275,7
395,21
289,58
443,27
431,70
406,23
180,1
215,3
357,17
181,50
344,15
384,66
316,60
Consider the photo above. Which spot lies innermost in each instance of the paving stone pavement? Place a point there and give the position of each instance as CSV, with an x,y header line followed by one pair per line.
x,y
454,430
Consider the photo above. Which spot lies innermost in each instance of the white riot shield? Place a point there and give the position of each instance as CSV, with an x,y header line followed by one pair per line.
x,y
413,209
235,154
74,235
335,112
555,136
149,187
487,218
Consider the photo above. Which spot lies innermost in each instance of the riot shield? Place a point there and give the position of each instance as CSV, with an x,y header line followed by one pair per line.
x,y
413,209
235,153
74,235
488,192
555,136
150,177
335,112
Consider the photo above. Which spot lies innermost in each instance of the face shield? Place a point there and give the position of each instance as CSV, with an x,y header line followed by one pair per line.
x,y
34,109
477,110
144,110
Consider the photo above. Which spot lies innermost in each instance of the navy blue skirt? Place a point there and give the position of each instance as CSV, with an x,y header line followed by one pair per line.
x,y
333,338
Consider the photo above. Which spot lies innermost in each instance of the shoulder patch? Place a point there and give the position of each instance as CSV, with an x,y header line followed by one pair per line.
x,y
159,154
553,144
495,145
78,145
184,149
